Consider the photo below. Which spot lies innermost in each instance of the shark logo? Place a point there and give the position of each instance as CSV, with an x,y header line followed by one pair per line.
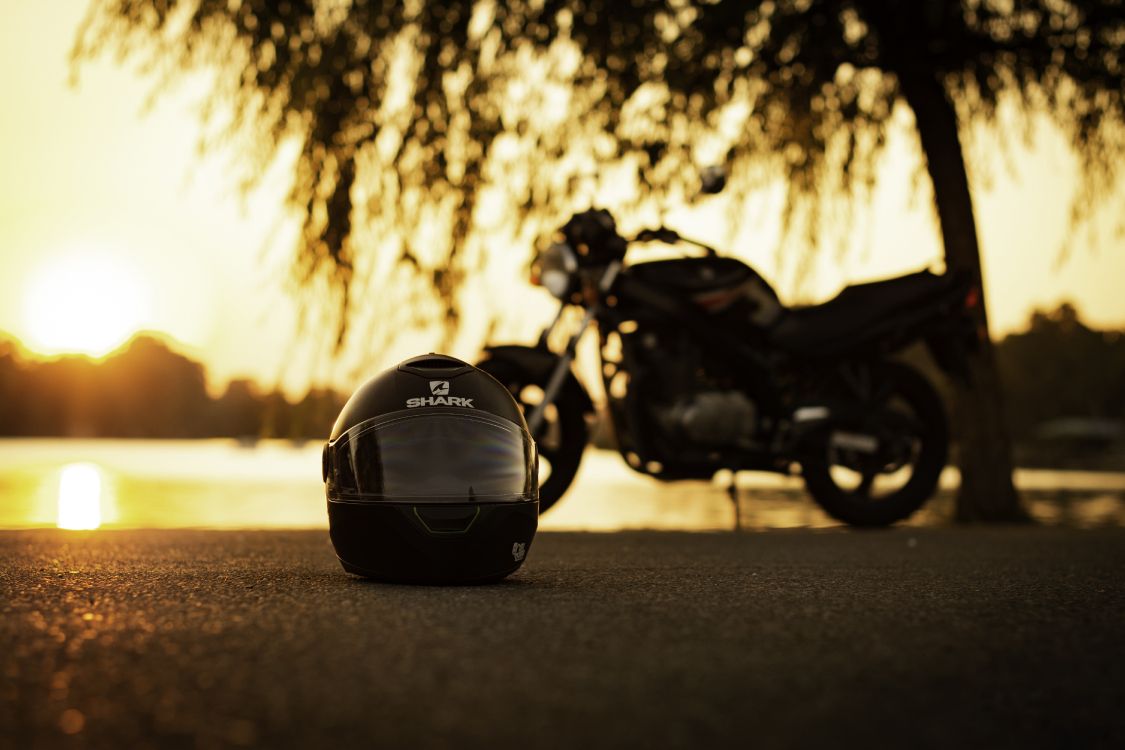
x,y
519,551
439,390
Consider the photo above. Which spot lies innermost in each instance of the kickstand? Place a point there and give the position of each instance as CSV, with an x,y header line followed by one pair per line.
x,y
732,493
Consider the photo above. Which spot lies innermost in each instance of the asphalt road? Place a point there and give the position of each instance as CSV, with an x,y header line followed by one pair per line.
x,y
910,637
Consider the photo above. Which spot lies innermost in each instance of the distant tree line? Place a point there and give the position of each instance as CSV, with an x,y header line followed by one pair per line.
x,y
1064,391
147,391
1061,368
1058,368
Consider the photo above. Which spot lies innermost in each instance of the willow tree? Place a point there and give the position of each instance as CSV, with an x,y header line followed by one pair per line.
x,y
463,116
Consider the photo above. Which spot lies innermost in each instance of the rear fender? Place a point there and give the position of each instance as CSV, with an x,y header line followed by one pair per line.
x,y
961,332
539,363
950,355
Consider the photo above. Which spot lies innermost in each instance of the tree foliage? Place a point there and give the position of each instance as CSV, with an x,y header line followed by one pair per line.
x,y
423,127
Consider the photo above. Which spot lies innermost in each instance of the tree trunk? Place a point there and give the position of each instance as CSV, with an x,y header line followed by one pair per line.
x,y
987,492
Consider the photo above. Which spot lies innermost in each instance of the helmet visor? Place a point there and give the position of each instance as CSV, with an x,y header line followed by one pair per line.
x,y
434,456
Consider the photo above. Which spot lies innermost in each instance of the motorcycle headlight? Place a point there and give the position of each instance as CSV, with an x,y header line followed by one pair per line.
x,y
555,269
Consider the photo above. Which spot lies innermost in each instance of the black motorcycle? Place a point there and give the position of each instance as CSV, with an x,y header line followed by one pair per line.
x,y
704,369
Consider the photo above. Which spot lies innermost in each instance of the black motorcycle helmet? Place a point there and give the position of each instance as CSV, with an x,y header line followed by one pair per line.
x,y
431,476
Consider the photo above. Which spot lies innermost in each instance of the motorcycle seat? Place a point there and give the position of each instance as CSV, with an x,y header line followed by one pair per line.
x,y
855,313
694,275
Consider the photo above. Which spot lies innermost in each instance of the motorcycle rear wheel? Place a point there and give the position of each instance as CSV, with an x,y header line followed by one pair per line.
x,y
561,439
913,416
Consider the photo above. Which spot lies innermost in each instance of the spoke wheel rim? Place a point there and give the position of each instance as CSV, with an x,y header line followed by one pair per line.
x,y
549,439
855,475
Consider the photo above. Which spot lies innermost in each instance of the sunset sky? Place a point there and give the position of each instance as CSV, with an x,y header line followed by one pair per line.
x,y
96,193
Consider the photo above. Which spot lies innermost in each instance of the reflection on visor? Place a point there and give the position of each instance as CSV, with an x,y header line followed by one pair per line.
x,y
434,456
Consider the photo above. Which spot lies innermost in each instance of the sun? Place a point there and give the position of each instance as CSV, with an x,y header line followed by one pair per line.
x,y
83,303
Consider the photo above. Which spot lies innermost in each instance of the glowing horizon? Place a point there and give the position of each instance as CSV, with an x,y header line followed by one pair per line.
x,y
84,302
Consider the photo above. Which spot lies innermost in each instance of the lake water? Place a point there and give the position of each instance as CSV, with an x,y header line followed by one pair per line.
x,y
276,484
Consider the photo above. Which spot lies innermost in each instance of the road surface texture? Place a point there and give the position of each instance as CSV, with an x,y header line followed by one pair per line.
x,y
1011,637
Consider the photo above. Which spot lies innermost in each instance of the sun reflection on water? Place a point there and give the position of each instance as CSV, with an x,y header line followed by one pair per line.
x,y
99,484
80,496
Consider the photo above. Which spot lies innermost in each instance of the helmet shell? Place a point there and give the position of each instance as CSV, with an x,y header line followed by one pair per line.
x,y
393,390
390,524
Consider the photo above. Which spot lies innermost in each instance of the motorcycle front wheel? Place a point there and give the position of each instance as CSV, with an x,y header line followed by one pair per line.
x,y
561,438
879,468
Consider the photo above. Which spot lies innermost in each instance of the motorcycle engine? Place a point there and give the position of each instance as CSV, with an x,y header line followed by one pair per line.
x,y
712,418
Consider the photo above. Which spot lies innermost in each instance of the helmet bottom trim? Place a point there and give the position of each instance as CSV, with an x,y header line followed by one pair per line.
x,y
399,580
401,543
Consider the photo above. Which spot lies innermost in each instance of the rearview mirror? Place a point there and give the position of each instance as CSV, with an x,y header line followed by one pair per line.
x,y
713,179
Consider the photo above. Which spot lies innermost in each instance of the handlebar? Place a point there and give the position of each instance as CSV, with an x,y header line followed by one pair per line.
x,y
671,237
593,234
660,234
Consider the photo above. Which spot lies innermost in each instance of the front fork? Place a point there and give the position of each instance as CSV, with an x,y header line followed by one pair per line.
x,y
562,367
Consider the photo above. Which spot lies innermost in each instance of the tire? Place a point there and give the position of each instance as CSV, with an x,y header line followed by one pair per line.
x,y
893,388
562,436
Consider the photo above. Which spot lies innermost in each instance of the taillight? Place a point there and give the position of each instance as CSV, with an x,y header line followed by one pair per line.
x,y
972,298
